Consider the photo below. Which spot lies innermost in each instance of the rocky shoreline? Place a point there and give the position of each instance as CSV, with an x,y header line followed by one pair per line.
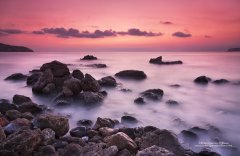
x,y
27,128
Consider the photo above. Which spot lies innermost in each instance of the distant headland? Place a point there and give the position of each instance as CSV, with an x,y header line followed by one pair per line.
x,y
11,48
234,50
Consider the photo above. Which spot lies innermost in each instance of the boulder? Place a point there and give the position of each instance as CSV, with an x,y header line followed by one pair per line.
x,y
71,149
128,119
77,74
74,85
29,107
16,76
56,122
97,65
202,80
2,134
104,122
122,141
91,97
17,125
5,105
49,89
58,69
48,150
155,151
108,81
3,120
27,115
45,79
220,81
139,100
23,142
208,153
74,140
90,84
13,114
172,102
189,136
161,138
19,99
89,57
48,136
85,122
153,94
131,74
106,131
31,80
124,152
80,131
198,130
159,61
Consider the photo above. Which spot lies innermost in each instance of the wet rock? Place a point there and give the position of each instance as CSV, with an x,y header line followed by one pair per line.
x,y
56,122
23,142
17,125
128,119
16,76
80,131
49,89
89,57
5,105
104,122
2,134
31,80
220,81
153,94
70,149
58,69
77,74
189,136
27,115
45,79
74,140
139,100
90,84
155,151
48,150
122,141
29,107
108,81
48,136
3,120
129,131
159,61
91,133
106,131
172,102
131,74
91,97
98,65
161,138
124,152
19,99
13,114
202,80
208,153
85,122
74,85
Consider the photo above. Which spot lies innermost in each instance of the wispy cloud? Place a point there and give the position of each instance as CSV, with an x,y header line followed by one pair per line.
x,y
166,22
181,34
10,31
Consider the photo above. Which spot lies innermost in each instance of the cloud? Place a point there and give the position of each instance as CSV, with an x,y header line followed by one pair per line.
x,y
71,32
166,22
10,31
207,36
181,34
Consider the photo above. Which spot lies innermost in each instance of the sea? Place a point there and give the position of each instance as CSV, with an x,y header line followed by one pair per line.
x,y
212,107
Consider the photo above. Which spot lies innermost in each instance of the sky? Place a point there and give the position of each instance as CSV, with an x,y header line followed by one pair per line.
x,y
121,25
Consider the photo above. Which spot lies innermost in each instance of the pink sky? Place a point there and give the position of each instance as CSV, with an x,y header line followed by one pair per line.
x,y
204,25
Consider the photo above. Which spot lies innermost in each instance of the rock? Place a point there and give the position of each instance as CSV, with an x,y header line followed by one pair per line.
x,y
161,138
159,61
198,130
17,125
153,94
45,79
208,153
58,81
202,80
126,90
80,131
49,88
48,150
106,131
89,57
60,144
70,150
128,119
17,76
104,122
122,141
58,69
155,151
23,142
74,140
91,133
110,151
139,100
85,122
175,85
74,85
77,74
48,136
131,74
29,107
91,97
5,106
3,120
189,136
13,114
2,134
31,80
124,152
108,81
8,153
98,65
19,99
172,102
27,115
221,81
56,122
90,84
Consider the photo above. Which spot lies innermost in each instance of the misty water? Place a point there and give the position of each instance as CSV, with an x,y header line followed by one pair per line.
x,y
211,106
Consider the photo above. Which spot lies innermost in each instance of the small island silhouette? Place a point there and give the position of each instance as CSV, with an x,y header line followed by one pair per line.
x,y
11,48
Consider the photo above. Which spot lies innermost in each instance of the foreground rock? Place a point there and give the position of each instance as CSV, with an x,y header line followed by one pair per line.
x,y
128,119
5,105
98,65
77,74
155,151
90,84
19,99
131,74
202,80
91,97
159,61
57,123
89,57
31,80
108,81
16,76
153,94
